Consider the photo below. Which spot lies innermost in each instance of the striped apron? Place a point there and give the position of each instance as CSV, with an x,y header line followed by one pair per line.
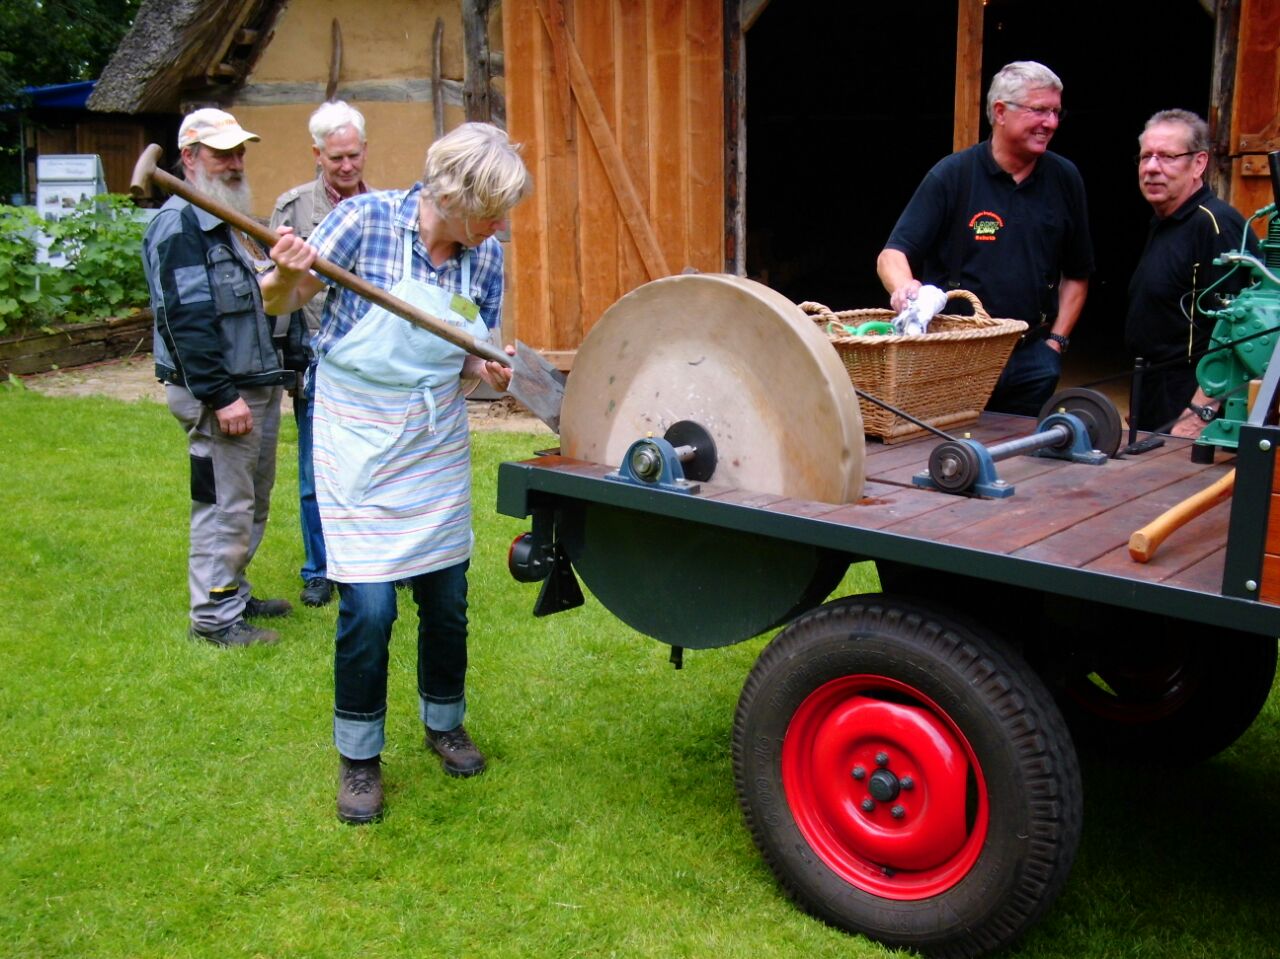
x,y
391,445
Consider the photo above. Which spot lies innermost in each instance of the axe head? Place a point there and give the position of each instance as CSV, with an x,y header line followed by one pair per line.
x,y
537,384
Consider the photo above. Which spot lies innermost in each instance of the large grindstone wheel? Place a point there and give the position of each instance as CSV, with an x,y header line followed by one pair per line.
x,y
746,365
735,357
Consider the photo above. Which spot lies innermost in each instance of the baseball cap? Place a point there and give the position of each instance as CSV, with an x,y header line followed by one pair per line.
x,y
214,128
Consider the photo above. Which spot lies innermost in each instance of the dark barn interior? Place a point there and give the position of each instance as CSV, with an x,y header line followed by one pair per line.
x,y
849,105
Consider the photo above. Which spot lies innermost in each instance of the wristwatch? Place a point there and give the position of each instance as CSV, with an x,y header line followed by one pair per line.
x,y
1061,340
1206,413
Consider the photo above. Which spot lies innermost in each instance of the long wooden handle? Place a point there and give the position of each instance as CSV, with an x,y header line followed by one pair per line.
x,y
146,172
1143,543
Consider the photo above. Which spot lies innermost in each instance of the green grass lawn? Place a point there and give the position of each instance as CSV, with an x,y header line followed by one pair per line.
x,y
162,798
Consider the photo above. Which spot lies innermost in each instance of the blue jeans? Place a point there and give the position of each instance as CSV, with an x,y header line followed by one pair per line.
x,y
1028,379
313,563
366,612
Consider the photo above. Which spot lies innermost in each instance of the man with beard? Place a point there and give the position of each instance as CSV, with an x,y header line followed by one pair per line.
x,y
1005,220
1176,278
223,377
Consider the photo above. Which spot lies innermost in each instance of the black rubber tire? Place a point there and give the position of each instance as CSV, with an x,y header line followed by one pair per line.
x,y
1020,832
1151,689
1134,687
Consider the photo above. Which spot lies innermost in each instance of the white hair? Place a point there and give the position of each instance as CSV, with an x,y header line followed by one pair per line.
x,y
1015,79
332,116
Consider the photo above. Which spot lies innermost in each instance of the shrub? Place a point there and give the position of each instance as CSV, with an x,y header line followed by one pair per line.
x,y
101,240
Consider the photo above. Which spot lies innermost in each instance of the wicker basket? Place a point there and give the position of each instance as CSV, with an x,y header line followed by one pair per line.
x,y
943,377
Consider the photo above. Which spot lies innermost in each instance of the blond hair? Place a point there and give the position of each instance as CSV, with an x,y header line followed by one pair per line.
x,y
476,172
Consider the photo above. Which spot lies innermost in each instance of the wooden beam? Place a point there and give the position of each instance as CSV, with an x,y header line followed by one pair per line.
x,y
475,42
1226,35
335,60
437,76
968,101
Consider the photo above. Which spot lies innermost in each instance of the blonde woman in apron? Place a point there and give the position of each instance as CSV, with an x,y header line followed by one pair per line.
x,y
391,446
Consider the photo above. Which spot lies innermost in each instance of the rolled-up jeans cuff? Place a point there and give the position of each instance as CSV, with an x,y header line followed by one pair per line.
x,y
442,716
359,738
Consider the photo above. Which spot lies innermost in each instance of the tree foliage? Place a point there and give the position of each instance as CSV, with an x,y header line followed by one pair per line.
x,y
45,42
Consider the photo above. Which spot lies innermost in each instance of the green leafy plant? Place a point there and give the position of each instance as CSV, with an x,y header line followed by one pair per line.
x,y
103,274
19,292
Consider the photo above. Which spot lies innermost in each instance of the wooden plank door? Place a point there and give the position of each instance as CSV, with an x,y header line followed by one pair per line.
x,y
620,107
1255,112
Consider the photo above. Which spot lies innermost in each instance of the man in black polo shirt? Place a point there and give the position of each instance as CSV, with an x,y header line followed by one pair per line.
x,y
1175,279
1005,219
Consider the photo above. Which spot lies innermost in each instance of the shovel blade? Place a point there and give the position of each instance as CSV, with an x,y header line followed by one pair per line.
x,y
537,385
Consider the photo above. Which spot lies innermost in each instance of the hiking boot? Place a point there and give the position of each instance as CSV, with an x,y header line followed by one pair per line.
x,y
238,633
457,752
359,789
267,608
317,592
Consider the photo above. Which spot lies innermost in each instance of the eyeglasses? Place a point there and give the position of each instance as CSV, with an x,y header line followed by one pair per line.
x,y
1162,159
1040,113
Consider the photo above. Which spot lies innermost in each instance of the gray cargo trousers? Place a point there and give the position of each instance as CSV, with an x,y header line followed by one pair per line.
x,y
231,480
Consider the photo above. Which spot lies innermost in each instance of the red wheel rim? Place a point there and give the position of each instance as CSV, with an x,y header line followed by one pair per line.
x,y
884,787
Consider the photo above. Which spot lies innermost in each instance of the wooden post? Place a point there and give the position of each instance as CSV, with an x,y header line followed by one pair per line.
x,y
437,78
475,40
335,60
968,102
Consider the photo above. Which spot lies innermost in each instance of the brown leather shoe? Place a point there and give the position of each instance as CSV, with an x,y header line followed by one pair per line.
x,y
457,752
359,790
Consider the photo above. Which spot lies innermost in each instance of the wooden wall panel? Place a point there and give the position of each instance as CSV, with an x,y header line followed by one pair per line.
x,y
526,268
594,32
705,136
648,125
668,157
632,97
1255,122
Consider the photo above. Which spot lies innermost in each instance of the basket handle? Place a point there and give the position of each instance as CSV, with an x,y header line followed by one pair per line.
x,y
815,310
978,309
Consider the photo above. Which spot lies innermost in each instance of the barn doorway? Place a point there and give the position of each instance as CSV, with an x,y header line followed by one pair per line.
x,y
849,105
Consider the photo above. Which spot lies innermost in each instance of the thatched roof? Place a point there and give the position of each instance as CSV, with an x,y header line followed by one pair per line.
x,y
180,52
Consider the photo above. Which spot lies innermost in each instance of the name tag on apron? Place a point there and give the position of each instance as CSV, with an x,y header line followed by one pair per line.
x,y
464,307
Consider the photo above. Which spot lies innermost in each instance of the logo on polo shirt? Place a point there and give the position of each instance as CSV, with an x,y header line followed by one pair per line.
x,y
985,226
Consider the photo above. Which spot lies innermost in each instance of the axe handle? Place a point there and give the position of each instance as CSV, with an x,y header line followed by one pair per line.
x,y
147,170
1143,543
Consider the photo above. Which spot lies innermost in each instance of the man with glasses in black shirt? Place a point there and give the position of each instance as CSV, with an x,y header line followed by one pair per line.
x,y
1007,220
1176,279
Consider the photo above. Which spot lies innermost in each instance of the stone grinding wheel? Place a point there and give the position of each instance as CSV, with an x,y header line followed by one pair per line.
x,y
735,357
751,369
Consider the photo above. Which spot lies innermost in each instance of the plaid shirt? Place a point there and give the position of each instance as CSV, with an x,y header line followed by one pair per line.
x,y
363,234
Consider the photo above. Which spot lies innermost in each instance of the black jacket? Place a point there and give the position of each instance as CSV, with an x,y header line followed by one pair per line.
x,y
211,334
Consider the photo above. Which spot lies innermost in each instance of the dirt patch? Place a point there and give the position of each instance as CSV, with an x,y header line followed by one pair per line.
x,y
133,378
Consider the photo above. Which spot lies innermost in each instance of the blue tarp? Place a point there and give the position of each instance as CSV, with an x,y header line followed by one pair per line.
x,y
61,96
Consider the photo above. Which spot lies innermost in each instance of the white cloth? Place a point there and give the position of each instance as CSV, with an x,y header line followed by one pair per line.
x,y
915,318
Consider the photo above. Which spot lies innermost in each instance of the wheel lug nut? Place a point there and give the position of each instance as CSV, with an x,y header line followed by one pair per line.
x,y
859,772
868,805
882,759
897,812
906,782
